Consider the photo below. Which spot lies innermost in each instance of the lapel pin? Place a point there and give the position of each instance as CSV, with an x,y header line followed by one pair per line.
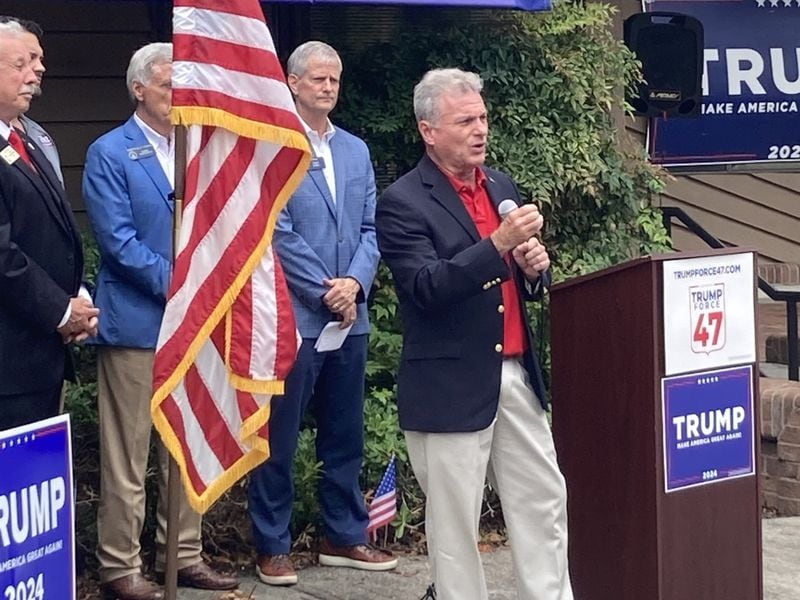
x,y
9,155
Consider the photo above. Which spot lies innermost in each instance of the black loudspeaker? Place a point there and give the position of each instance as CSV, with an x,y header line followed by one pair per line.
x,y
670,48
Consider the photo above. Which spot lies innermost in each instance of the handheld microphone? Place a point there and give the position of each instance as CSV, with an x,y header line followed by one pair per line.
x,y
506,207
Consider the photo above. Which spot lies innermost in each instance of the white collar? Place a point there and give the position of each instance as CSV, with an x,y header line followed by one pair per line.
x,y
151,134
5,130
328,132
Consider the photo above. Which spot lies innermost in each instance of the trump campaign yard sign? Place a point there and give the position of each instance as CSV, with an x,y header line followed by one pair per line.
x,y
37,557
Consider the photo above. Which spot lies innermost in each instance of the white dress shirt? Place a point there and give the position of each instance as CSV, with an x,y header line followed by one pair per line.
x,y
164,147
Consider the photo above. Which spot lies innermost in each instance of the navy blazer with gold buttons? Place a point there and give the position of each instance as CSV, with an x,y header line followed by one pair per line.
x,y
447,281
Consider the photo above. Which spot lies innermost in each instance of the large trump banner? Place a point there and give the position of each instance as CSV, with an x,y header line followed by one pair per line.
x,y
37,558
751,86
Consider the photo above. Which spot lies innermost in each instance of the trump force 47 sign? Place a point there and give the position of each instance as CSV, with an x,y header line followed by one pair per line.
x,y
709,312
707,316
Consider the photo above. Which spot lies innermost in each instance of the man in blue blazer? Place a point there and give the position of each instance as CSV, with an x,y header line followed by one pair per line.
x,y
325,238
127,185
471,398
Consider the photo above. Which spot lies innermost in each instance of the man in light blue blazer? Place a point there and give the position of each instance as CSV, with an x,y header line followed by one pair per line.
x,y
128,188
325,238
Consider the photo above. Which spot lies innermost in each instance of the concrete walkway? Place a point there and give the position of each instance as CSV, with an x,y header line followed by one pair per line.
x,y
781,557
781,576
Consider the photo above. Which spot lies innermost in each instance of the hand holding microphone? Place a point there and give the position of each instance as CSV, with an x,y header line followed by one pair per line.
x,y
519,225
530,254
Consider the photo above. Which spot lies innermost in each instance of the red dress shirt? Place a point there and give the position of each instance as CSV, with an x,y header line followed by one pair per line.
x,y
484,214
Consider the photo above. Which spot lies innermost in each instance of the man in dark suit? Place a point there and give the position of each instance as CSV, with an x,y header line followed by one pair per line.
x,y
42,306
470,391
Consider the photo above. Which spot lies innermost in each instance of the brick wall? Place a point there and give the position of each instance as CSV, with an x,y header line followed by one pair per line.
x,y
780,445
781,273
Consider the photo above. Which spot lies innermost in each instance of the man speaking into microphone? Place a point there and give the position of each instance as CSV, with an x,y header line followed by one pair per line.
x,y
470,392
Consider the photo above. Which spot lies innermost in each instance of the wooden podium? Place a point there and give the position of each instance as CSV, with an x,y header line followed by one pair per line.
x,y
630,539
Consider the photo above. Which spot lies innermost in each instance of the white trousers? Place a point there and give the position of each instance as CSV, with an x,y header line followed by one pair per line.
x,y
517,453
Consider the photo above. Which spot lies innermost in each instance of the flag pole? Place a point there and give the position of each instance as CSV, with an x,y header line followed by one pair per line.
x,y
174,477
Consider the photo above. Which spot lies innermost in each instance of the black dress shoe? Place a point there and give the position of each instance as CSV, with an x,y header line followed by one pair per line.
x,y
203,577
131,587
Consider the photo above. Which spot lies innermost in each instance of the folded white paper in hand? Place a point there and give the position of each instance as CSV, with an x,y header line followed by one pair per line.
x,y
331,337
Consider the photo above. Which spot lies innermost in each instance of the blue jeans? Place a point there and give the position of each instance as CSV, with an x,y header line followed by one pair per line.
x,y
332,385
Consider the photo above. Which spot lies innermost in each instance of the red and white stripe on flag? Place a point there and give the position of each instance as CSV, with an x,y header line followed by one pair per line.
x,y
383,507
228,338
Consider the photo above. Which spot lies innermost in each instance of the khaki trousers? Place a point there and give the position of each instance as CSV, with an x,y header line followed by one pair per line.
x,y
124,381
518,451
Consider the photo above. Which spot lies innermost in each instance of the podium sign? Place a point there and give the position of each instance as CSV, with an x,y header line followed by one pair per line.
x,y
709,312
37,556
708,427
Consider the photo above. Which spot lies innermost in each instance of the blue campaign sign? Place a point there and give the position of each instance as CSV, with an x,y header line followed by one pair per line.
x,y
37,557
751,86
708,427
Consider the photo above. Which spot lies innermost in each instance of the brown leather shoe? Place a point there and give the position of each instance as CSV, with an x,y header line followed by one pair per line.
x,y
360,556
203,577
131,587
276,569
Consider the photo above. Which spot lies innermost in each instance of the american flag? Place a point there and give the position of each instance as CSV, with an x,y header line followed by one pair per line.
x,y
383,507
228,338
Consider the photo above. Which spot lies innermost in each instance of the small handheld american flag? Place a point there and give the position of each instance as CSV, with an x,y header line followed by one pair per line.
x,y
383,507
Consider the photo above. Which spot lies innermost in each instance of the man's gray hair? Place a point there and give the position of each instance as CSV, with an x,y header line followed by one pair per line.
x,y
438,82
299,59
11,28
141,66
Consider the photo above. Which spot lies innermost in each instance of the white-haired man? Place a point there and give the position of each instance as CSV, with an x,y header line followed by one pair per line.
x,y
470,393
41,261
33,130
127,185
